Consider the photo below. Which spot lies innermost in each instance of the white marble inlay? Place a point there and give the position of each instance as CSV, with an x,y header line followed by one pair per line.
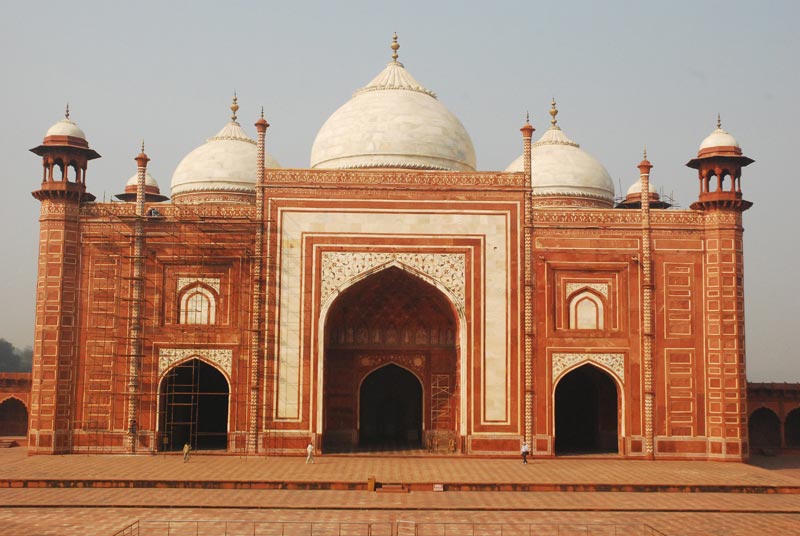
x,y
601,288
169,356
492,227
212,282
339,268
613,362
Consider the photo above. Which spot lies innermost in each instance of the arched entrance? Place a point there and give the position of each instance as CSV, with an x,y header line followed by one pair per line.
x,y
587,416
390,409
390,354
194,407
13,418
764,429
792,429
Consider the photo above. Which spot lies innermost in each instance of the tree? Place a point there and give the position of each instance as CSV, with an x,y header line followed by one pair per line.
x,y
14,359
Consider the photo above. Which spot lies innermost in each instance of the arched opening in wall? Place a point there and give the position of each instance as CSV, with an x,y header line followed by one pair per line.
x,y
194,407
13,418
586,412
390,409
390,354
764,428
792,429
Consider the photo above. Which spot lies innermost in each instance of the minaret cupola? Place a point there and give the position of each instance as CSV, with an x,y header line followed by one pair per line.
x,y
65,154
720,158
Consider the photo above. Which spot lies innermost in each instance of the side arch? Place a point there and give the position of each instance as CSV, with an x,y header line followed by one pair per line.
x,y
764,429
13,417
587,402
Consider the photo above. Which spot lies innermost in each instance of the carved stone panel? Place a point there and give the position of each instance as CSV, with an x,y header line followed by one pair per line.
x,y
220,357
613,362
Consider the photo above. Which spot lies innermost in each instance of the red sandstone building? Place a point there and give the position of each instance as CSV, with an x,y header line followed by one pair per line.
x,y
390,296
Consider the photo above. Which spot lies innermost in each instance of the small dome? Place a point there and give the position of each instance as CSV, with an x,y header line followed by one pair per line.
x,y
636,188
718,138
560,168
65,127
148,181
152,193
226,163
393,122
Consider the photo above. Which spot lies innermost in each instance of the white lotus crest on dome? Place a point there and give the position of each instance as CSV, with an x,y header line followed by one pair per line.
x,y
395,76
393,122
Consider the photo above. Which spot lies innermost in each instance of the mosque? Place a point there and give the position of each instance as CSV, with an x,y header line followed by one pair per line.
x,y
389,297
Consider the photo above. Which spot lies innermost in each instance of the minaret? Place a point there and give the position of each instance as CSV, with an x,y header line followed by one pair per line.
x,y
719,163
65,154
137,304
257,328
647,308
527,133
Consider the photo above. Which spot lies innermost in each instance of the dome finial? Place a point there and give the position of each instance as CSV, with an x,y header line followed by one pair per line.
x,y
394,46
234,106
553,113
719,121
527,117
262,112
66,113
645,153
142,144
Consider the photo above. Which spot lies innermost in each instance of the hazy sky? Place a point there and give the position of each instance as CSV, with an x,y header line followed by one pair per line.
x,y
625,74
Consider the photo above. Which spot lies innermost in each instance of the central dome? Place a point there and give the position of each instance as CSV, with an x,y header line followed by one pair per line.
x,y
393,122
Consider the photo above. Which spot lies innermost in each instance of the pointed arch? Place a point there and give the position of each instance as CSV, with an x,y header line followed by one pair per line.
x,y
13,417
587,414
197,305
460,340
587,309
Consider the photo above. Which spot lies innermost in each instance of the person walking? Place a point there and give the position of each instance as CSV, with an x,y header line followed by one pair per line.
x,y
525,451
310,451
186,450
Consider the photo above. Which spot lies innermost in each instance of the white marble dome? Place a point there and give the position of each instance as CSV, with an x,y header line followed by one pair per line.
x,y
393,122
227,162
718,138
636,188
148,180
560,168
65,127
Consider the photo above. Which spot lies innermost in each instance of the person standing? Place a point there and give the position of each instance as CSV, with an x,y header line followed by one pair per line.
x,y
186,449
525,451
310,451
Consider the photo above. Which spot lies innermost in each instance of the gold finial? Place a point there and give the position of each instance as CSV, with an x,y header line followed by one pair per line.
x,y
719,121
394,46
142,145
262,112
66,114
645,153
527,117
553,112
234,107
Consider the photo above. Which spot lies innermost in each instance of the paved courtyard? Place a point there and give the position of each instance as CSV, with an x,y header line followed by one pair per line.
x,y
79,511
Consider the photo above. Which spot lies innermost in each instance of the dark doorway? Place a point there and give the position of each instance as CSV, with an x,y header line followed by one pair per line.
x,y
764,429
792,429
13,418
391,409
586,412
194,407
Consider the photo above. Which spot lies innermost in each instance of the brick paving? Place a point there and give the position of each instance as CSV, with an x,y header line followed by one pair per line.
x,y
68,512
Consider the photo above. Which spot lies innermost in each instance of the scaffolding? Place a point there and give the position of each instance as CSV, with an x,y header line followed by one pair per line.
x,y
184,245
